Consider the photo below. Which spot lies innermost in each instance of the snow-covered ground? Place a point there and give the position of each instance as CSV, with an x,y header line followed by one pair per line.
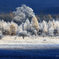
x,y
29,40
9,42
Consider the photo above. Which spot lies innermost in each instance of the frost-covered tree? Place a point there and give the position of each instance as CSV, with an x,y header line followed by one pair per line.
x,y
0,25
45,26
34,23
13,28
50,24
27,25
57,26
22,13
51,31
26,14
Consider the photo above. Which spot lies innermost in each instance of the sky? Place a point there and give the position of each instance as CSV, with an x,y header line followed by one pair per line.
x,y
37,5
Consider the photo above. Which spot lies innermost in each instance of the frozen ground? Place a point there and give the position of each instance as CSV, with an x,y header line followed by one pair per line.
x,y
29,40
9,42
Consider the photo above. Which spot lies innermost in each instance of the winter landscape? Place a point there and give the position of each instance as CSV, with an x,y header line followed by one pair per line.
x,y
25,26
23,30
29,29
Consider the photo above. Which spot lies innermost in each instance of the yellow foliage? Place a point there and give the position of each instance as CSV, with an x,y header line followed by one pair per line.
x,y
35,23
12,29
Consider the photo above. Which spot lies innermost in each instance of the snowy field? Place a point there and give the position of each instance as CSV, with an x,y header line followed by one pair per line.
x,y
29,42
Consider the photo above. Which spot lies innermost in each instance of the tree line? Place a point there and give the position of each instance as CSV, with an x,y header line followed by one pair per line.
x,y
7,17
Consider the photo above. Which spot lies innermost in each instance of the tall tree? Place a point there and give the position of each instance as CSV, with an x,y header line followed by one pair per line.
x,y
35,23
